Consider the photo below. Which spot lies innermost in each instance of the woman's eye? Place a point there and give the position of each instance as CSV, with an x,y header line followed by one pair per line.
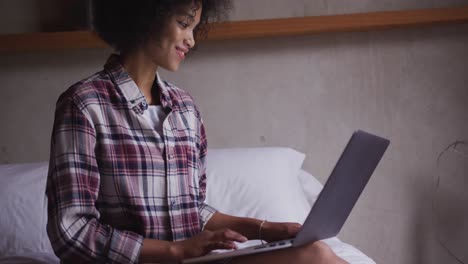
x,y
183,24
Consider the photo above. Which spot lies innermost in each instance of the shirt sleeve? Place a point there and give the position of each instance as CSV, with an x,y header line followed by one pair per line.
x,y
206,211
73,225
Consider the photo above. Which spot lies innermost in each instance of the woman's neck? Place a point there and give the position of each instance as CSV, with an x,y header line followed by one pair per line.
x,y
143,72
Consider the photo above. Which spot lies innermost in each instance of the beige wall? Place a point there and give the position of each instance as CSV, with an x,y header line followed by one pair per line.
x,y
308,93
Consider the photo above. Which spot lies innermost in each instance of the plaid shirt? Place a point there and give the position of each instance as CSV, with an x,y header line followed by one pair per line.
x,y
113,180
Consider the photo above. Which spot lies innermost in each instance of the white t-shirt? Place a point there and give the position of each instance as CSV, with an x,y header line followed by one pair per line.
x,y
155,115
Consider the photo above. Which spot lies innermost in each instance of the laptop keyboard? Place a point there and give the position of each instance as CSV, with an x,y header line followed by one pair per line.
x,y
274,244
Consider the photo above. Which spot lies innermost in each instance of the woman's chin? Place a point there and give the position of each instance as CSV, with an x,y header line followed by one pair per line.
x,y
171,68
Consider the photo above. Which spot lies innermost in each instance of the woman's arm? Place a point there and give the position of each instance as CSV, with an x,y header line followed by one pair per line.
x,y
249,227
73,225
158,251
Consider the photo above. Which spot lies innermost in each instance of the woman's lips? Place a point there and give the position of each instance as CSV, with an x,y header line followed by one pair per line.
x,y
181,52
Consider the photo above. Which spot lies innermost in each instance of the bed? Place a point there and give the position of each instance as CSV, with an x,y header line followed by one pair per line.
x,y
269,184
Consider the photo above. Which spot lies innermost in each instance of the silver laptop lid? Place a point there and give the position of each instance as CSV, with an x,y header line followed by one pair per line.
x,y
342,189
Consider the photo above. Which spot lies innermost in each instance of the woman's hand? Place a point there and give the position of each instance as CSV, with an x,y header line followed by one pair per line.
x,y
205,242
273,231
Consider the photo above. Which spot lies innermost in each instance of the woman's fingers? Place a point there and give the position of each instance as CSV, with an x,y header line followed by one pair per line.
x,y
225,245
293,228
228,235
219,239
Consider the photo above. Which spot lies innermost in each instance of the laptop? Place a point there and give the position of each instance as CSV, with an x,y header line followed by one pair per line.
x,y
334,203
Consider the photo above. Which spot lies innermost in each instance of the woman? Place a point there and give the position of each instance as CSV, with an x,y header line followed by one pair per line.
x,y
127,177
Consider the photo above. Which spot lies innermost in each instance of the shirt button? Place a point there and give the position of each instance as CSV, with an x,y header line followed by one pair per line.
x,y
173,203
171,155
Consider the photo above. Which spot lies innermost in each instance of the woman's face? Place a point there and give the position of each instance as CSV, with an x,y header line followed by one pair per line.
x,y
177,38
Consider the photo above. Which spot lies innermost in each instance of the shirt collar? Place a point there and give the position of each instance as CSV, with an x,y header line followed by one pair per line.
x,y
129,88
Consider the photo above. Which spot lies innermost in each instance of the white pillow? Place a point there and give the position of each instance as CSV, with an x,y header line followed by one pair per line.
x,y
310,185
257,182
23,204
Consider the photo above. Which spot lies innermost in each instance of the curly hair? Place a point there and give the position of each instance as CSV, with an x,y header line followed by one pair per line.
x,y
127,25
